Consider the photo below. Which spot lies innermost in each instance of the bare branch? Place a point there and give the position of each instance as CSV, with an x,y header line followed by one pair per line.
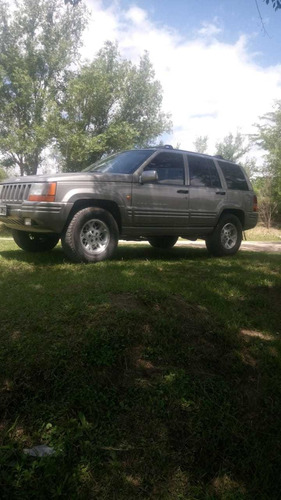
x,y
261,19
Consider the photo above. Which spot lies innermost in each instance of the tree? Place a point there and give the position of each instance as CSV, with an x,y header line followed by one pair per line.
x,y
112,104
268,207
39,41
251,168
201,144
269,139
276,4
235,148
2,174
72,2
232,148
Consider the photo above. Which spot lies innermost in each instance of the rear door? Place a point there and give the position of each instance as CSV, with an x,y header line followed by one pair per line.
x,y
162,203
206,195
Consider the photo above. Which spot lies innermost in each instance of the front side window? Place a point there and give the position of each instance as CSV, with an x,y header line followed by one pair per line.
x,y
169,167
234,176
203,172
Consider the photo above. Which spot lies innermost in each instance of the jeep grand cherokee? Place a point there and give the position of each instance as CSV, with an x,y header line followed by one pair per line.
x,y
157,194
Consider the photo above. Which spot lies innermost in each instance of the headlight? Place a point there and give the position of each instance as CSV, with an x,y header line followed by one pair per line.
x,y
43,191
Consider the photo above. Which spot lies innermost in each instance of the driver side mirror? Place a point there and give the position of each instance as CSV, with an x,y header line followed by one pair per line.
x,y
148,176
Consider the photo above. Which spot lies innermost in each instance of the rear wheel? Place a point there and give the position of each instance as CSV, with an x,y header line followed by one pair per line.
x,y
91,236
35,242
163,242
226,238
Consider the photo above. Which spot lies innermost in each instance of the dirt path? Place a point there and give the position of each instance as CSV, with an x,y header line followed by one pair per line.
x,y
261,246
252,246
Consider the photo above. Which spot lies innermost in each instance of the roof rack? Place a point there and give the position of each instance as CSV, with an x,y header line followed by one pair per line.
x,y
166,146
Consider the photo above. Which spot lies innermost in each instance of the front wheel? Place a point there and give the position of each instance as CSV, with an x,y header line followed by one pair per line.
x,y
35,242
163,242
91,236
226,238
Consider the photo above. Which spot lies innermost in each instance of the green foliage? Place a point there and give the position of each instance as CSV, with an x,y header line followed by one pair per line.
x,y
268,207
269,139
251,168
39,42
232,148
201,144
3,174
72,2
110,105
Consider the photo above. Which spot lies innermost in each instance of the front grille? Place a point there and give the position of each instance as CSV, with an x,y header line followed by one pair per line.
x,y
14,193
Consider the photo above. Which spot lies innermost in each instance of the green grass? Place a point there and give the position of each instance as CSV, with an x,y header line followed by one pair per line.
x,y
261,233
153,375
4,231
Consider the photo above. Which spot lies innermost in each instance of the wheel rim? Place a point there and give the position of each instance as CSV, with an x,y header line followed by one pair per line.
x,y
94,236
229,236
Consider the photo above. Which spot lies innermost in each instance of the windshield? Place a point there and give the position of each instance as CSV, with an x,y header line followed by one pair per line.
x,y
122,163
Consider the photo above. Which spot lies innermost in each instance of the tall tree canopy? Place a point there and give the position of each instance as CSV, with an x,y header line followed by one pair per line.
x,y
106,105
269,139
112,104
38,43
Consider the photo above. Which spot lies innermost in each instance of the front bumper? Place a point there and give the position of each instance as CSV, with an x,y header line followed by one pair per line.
x,y
40,217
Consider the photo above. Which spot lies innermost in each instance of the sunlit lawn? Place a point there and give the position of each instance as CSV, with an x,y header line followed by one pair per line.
x,y
261,233
153,375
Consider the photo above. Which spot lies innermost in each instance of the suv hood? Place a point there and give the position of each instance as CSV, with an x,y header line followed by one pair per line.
x,y
70,177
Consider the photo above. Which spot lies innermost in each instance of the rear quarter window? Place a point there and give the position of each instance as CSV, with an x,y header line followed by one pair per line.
x,y
203,172
234,176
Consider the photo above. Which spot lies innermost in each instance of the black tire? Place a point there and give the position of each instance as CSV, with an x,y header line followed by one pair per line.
x,y
163,242
91,236
35,242
226,238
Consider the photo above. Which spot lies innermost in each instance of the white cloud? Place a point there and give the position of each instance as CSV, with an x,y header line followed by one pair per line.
x,y
136,15
209,29
210,87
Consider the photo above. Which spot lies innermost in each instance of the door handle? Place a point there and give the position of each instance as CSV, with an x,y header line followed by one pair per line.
x,y
220,192
183,191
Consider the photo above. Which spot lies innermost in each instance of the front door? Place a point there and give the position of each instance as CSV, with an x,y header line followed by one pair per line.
x,y
164,202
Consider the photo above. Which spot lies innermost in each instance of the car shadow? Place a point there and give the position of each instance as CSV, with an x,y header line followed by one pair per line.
x,y
124,252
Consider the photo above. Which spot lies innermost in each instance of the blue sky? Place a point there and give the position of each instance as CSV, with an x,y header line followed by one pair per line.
x,y
234,17
218,68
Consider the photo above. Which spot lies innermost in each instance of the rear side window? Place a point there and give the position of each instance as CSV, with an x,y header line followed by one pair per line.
x,y
234,176
203,172
169,167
